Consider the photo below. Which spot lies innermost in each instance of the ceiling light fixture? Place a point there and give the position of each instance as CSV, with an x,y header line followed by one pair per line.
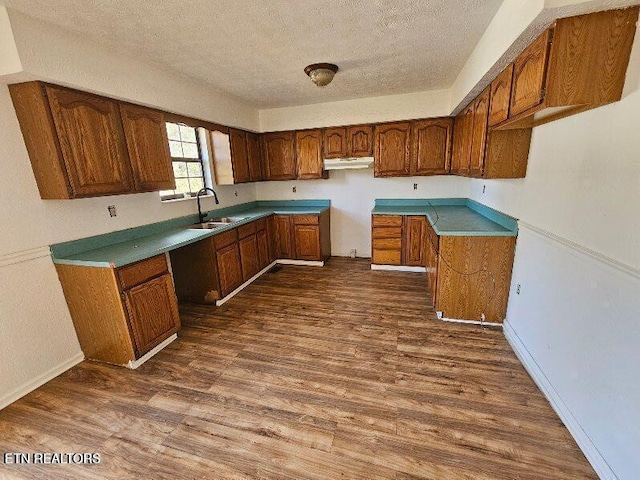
x,y
321,73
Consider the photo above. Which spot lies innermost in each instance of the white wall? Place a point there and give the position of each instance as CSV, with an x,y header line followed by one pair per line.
x,y
38,340
578,264
363,110
352,194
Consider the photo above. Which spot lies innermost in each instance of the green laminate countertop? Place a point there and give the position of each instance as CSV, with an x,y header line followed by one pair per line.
x,y
452,216
121,248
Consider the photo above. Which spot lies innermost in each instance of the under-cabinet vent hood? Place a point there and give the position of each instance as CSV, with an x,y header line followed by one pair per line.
x,y
347,163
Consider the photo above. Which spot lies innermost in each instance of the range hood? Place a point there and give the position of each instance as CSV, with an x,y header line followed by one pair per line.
x,y
347,163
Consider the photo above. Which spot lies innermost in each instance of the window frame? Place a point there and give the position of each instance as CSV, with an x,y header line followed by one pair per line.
x,y
175,195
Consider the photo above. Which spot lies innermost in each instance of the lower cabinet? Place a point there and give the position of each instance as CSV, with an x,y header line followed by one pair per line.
x,y
209,270
398,240
121,314
229,269
283,236
153,312
249,257
469,277
303,237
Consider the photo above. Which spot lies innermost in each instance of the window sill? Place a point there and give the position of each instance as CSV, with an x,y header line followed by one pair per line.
x,y
185,199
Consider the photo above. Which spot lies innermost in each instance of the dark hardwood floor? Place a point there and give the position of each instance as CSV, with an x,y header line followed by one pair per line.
x,y
323,373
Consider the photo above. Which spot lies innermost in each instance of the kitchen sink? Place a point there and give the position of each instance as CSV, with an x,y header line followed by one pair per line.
x,y
230,219
210,225
218,222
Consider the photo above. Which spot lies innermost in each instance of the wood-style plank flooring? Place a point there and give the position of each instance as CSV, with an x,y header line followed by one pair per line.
x,y
319,373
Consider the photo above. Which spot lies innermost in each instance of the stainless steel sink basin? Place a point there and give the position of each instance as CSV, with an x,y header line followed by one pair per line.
x,y
218,222
230,219
209,225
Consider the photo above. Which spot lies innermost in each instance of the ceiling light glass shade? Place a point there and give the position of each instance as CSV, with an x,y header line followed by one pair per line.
x,y
321,73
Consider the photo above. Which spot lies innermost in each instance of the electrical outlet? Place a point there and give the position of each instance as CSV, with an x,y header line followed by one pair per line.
x,y
294,189
112,210
235,192
518,289
352,253
415,186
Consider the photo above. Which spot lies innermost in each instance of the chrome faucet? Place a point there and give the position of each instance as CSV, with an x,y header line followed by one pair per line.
x,y
202,216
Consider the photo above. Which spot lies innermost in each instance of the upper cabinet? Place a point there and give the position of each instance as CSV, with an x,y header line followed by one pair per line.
x,y
255,157
84,145
392,149
75,141
479,133
335,142
279,155
360,141
462,140
146,134
500,96
528,81
431,153
579,63
348,142
239,155
309,154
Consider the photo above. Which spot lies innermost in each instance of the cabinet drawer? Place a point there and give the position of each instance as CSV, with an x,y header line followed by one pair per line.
x,y
387,243
387,221
387,257
387,232
225,238
261,224
247,230
140,272
305,220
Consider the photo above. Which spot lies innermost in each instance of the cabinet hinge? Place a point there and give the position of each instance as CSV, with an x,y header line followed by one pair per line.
x,y
122,296
551,34
543,92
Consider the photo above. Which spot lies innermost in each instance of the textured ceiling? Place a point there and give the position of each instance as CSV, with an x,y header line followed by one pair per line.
x,y
257,50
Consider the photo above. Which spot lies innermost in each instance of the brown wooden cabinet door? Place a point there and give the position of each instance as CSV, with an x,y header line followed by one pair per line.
x,y
529,75
479,142
283,237
249,257
307,242
392,143
153,312
279,155
500,96
335,142
146,134
360,141
431,146
92,142
229,268
255,157
263,249
412,242
271,237
239,155
431,260
309,154
462,140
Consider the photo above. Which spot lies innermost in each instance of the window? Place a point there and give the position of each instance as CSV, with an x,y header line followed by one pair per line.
x,y
186,158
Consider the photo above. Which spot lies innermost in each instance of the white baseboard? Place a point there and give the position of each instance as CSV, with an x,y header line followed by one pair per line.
x,y
40,380
590,451
224,300
133,364
470,322
397,268
308,263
